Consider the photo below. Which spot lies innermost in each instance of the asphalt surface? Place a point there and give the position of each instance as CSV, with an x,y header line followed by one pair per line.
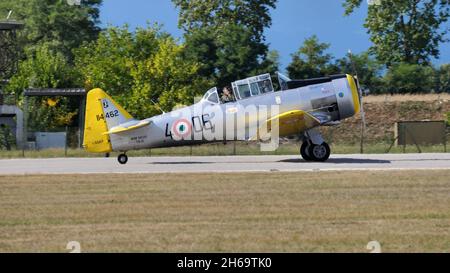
x,y
289,163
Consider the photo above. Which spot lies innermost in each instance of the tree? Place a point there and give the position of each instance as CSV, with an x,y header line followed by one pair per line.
x,y
42,68
311,61
367,68
405,30
444,78
54,22
52,29
197,14
140,68
226,36
201,46
270,64
410,78
45,68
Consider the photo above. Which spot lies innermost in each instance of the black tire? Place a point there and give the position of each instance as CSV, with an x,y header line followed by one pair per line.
x,y
122,158
304,151
320,152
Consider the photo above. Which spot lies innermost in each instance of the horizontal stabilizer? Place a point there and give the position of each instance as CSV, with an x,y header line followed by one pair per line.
x,y
129,126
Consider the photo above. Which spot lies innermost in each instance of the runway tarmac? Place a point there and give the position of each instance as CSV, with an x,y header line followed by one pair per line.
x,y
289,163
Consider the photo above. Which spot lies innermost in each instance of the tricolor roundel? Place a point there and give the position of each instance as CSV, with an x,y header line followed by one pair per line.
x,y
181,128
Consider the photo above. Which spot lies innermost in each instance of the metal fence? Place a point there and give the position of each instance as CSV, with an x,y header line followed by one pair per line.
x,y
48,143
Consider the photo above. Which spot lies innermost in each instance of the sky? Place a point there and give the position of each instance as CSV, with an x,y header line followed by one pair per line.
x,y
292,22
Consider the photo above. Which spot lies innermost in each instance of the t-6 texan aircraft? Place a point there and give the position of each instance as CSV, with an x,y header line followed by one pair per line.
x,y
248,110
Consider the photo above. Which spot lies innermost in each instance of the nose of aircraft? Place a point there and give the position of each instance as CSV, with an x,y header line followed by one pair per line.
x,y
355,94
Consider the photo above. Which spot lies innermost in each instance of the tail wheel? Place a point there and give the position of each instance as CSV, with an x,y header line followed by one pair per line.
x,y
304,151
319,152
122,158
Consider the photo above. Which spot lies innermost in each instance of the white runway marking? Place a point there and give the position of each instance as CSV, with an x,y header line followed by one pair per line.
x,y
208,164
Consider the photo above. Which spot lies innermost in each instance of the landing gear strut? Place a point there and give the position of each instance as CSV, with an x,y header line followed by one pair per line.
x,y
122,158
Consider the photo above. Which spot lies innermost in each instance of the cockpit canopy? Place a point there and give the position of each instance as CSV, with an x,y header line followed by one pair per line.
x,y
253,86
211,96
242,89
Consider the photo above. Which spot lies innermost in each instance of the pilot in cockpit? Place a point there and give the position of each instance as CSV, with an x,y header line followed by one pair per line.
x,y
227,95
265,87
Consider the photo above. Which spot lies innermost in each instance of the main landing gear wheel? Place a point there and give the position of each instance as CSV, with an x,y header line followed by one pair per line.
x,y
319,152
304,151
122,158
314,152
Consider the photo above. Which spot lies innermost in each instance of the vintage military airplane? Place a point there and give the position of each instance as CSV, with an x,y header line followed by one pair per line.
x,y
301,106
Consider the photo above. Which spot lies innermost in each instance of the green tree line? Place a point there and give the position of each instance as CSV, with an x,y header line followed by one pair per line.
x,y
146,69
312,60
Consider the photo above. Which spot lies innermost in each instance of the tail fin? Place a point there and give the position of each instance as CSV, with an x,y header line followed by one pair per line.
x,y
102,113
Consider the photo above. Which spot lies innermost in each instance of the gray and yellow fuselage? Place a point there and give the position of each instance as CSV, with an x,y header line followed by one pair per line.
x,y
109,127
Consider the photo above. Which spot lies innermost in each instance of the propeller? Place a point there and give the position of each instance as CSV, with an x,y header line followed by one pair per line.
x,y
361,102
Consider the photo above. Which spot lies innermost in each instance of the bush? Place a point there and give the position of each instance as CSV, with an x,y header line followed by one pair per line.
x,y
410,78
444,78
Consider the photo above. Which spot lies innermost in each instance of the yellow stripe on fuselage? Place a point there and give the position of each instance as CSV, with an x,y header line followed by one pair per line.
x,y
120,129
355,96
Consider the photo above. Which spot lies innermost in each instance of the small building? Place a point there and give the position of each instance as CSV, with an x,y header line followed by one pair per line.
x,y
11,117
44,140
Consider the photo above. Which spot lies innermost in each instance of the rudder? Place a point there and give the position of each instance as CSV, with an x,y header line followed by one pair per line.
x,y
102,113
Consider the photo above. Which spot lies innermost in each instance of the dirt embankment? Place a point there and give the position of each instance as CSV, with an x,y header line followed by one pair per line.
x,y
383,111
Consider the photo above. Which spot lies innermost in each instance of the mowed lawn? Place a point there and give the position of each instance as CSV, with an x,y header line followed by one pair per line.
x,y
406,211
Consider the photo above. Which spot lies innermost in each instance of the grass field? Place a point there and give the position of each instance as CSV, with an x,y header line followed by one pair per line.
x,y
406,211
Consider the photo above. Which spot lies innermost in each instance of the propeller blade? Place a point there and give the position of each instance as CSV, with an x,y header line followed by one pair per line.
x,y
361,104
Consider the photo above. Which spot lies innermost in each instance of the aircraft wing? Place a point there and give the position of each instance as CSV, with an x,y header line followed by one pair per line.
x,y
293,122
128,126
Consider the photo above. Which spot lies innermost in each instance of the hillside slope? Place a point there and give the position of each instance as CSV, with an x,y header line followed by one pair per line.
x,y
383,111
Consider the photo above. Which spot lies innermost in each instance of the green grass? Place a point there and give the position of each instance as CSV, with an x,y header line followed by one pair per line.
x,y
406,211
240,148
